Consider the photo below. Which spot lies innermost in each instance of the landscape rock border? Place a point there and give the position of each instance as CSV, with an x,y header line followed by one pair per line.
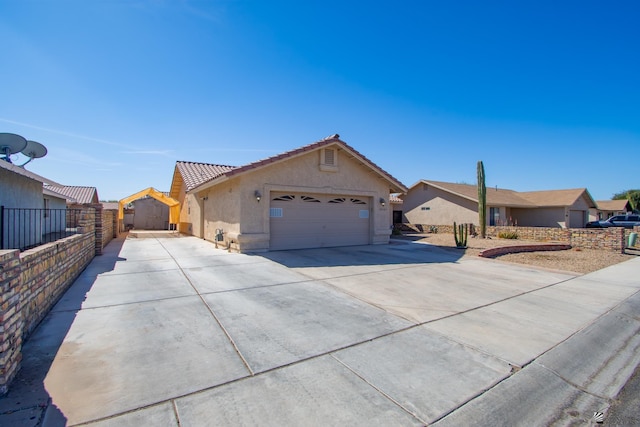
x,y
503,250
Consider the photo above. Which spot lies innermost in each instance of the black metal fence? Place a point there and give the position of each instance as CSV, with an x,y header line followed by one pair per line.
x,y
22,228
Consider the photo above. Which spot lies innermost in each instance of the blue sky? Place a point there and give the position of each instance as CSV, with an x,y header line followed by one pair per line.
x,y
545,93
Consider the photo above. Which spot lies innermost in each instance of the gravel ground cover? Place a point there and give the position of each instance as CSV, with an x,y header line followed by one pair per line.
x,y
579,261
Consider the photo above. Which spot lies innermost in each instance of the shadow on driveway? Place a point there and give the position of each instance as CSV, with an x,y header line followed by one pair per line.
x,y
27,401
397,252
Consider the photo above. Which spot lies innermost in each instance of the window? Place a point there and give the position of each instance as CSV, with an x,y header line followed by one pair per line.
x,y
358,202
338,200
309,199
494,216
275,212
286,198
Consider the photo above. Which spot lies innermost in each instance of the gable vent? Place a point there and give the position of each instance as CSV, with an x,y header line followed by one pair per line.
x,y
329,157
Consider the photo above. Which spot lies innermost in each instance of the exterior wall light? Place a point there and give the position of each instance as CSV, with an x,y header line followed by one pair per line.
x,y
258,196
382,201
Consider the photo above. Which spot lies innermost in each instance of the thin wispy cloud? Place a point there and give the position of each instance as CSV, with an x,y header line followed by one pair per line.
x,y
65,155
236,150
65,133
166,153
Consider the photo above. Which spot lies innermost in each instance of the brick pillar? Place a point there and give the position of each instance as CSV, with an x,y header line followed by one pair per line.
x,y
98,228
11,322
618,238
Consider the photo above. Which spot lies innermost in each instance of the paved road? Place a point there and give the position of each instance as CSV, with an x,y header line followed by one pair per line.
x,y
625,410
162,330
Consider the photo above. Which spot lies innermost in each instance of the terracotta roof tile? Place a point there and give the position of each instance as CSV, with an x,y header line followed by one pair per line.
x,y
195,174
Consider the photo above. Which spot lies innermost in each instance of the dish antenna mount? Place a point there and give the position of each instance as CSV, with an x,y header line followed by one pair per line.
x,y
10,143
33,150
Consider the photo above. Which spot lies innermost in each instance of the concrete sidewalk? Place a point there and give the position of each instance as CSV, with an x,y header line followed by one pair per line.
x,y
166,329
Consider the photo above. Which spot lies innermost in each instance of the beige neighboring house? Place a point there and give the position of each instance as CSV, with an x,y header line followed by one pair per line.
x,y
321,195
608,208
442,203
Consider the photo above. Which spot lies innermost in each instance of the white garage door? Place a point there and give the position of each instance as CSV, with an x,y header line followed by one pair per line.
x,y
300,221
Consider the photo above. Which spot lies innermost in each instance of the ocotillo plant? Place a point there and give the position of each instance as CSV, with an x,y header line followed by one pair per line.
x,y
460,234
482,201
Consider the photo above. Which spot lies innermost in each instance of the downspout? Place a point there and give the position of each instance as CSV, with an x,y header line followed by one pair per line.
x,y
202,223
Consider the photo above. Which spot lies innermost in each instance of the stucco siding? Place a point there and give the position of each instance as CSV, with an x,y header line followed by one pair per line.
x,y
222,210
19,191
425,204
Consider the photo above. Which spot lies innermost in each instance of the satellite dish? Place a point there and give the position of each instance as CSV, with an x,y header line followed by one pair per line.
x,y
33,150
10,143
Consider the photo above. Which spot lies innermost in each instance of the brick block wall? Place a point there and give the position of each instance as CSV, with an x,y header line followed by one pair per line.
x,y
47,272
31,282
11,324
109,221
612,239
608,239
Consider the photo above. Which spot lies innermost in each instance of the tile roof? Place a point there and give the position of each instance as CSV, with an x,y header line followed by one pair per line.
x,y
196,174
78,194
395,199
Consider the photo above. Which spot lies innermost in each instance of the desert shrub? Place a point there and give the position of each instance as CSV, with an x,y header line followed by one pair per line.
x,y
507,235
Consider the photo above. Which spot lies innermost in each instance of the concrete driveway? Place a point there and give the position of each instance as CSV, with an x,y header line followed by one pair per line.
x,y
167,329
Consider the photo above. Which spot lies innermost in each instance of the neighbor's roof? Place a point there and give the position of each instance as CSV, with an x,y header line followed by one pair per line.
x,y
510,198
558,198
110,206
614,205
22,171
77,194
48,192
195,175
495,196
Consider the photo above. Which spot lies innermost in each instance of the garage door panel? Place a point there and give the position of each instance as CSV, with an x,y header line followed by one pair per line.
x,y
315,220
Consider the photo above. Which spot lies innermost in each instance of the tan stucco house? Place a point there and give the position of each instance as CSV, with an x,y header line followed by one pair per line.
x,y
321,195
442,203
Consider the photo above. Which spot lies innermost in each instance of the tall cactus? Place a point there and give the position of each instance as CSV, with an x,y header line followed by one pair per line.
x,y
482,201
